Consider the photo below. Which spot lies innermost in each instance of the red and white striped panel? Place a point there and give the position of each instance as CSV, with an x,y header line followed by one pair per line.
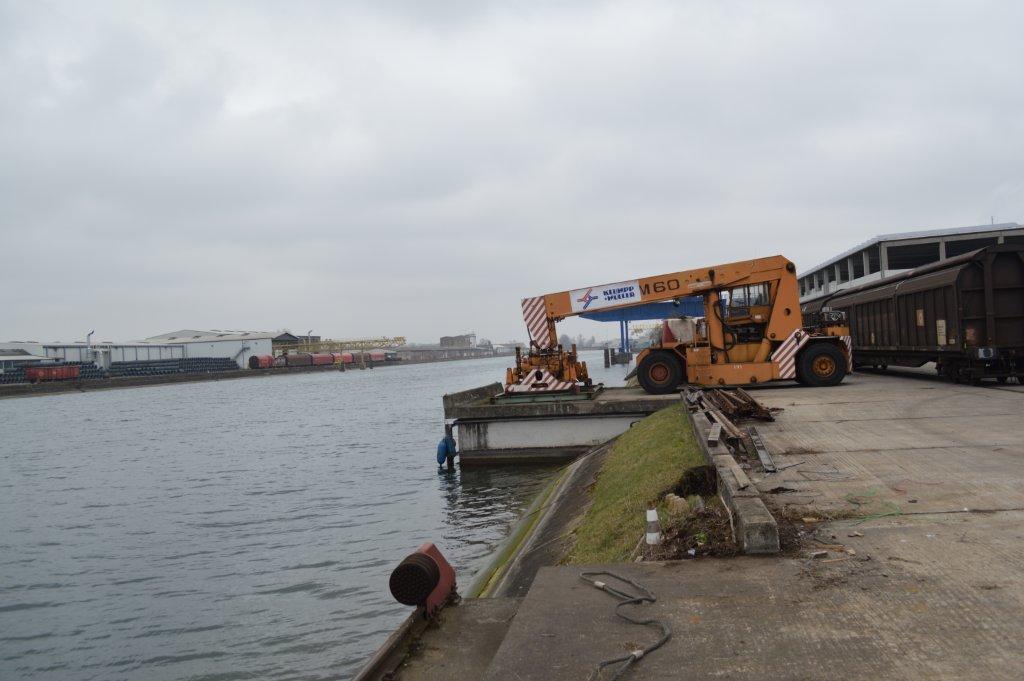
x,y
539,380
785,355
535,316
848,343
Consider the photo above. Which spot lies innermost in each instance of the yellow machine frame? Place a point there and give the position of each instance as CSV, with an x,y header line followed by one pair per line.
x,y
722,355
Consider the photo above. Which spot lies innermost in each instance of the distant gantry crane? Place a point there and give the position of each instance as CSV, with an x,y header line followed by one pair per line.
x,y
331,345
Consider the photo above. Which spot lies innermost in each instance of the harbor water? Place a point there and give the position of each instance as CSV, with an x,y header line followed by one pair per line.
x,y
239,529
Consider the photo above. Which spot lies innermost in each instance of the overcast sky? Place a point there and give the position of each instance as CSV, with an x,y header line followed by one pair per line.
x,y
418,167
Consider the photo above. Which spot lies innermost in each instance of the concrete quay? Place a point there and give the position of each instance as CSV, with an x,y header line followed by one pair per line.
x,y
492,429
900,501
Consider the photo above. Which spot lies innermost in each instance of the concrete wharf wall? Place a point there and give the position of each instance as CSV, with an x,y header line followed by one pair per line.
x,y
495,430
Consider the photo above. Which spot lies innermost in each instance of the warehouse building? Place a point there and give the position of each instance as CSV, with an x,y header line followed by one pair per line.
x,y
18,358
889,254
466,340
187,344
104,354
238,346
101,354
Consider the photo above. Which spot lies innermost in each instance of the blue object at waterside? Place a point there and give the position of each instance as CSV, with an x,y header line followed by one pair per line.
x,y
445,447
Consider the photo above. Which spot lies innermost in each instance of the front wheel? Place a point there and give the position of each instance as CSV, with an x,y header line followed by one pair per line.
x,y
821,365
660,372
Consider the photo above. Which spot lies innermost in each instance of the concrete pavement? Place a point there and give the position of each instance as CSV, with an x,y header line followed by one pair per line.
x,y
919,485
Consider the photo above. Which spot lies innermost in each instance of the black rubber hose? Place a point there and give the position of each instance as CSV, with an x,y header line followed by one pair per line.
x,y
626,661
725,329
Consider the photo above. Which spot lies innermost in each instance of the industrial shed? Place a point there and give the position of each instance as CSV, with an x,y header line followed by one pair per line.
x,y
103,354
890,254
238,346
14,358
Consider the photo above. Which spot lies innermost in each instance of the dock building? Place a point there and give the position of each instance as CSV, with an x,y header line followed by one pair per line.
x,y
889,254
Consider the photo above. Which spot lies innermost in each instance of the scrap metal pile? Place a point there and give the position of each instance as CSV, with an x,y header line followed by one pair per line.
x,y
735,403
723,408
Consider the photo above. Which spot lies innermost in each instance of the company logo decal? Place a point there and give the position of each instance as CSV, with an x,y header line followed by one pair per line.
x,y
587,298
599,297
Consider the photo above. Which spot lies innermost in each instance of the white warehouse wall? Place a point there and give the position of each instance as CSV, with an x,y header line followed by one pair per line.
x,y
116,353
136,353
238,350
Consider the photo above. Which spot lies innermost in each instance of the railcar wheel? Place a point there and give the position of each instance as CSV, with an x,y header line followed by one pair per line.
x,y
820,365
660,372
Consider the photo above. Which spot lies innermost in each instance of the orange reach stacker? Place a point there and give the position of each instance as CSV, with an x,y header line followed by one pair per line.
x,y
751,332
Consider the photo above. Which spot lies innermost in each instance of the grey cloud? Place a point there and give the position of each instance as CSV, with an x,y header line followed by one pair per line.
x,y
385,168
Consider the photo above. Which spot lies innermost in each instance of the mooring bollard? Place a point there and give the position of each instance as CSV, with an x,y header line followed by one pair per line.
x,y
653,526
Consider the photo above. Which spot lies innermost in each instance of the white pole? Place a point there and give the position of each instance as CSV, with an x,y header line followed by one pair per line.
x,y
653,527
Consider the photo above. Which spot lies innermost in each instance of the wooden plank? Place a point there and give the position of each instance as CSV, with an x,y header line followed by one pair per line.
x,y
758,410
742,481
714,434
727,425
730,399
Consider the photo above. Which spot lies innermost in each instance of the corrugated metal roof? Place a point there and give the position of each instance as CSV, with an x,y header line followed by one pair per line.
x,y
23,357
921,234
195,336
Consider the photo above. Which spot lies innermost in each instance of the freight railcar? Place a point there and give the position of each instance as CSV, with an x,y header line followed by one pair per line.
x,y
60,372
966,314
261,362
298,359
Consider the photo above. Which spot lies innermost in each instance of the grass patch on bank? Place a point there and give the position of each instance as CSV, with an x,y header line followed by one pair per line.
x,y
643,464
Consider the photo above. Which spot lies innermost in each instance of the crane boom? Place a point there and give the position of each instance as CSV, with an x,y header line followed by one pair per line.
x,y
542,312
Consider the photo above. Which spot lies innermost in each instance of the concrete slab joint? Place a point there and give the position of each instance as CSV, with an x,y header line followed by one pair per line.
x,y
755,528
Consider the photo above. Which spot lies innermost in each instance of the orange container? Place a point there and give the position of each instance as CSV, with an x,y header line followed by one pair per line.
x,y
52,373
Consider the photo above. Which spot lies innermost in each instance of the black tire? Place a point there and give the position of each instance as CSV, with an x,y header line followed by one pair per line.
x,y
821,365
660,372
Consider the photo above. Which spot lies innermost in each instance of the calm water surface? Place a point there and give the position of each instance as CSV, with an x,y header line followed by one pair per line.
x,y
236,529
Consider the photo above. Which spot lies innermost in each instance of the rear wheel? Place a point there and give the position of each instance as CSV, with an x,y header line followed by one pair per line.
x,y
821,365
660,372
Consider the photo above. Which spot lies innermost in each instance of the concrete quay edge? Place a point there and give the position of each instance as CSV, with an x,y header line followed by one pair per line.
x,y
611,401
756,530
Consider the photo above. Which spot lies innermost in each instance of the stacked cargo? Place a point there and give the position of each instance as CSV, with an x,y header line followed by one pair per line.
x,y
65,371
163,367
12,376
